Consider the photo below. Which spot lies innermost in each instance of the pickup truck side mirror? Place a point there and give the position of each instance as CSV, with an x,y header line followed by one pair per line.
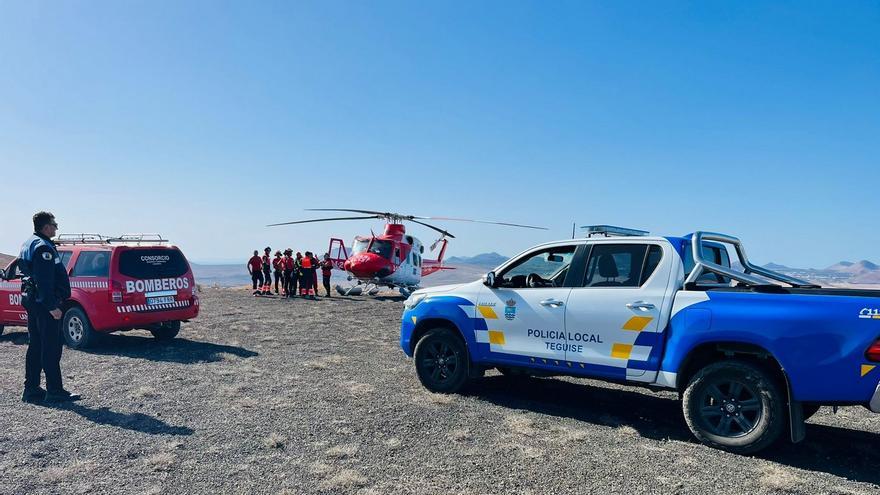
x,y
489,279
2,274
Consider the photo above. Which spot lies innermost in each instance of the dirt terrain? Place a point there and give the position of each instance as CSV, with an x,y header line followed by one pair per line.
x,y
271,396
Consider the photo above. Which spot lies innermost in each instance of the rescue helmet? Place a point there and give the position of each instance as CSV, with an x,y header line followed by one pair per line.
x,y
268,249
277,253
288,251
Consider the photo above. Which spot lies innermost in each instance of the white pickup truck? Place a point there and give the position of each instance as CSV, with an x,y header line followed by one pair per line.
x,y
752,352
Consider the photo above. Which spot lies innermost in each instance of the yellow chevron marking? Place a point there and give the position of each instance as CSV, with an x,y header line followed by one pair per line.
x,y
867,368
414,319
621,351
487,312
637,323
496,337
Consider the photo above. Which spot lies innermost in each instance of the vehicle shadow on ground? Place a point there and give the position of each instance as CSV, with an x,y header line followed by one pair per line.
x,y
131,421
181,351
842,452
17,338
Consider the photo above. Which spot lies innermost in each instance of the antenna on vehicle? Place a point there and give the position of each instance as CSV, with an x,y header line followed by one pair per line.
x,y
573,224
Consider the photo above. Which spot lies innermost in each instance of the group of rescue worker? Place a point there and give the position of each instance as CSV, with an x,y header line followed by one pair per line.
x,y
291,273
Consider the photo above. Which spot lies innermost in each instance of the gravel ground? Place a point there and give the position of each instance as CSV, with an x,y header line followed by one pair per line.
x,y
271,396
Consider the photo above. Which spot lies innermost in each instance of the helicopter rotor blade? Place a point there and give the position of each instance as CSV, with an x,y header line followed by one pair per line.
x,y
484,221
323,220
438,229
367,212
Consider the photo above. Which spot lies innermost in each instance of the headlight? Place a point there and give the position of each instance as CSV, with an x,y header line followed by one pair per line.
x,y
414,300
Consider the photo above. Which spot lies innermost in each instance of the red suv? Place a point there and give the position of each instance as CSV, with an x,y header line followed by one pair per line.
x,y
122,283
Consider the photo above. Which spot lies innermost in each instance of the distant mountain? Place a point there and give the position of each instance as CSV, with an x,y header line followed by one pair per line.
x,y
776,266
484,259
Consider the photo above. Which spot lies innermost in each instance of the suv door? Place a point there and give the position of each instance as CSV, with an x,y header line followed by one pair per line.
x,y
617,310
524,313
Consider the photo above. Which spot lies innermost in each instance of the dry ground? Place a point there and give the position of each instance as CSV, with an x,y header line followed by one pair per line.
x,y
269,396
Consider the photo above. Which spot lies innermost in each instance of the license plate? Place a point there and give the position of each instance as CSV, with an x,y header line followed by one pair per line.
x,y
153,301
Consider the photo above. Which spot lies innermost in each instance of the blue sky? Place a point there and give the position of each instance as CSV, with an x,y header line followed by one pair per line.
x,y
208,120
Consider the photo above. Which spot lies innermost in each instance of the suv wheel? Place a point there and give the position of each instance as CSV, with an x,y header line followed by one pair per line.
x,y
77,329
735,406
167,330
442,361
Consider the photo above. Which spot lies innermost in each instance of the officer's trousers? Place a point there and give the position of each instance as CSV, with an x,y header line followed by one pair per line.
x,y
326,280
44,351
257,278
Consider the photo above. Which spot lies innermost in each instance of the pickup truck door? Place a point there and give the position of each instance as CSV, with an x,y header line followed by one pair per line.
x,y
616,314
523,322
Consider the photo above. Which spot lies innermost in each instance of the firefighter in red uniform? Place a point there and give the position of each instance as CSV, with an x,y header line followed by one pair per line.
x,y
255,268
326,267
278,266
308,275
267,271
289,273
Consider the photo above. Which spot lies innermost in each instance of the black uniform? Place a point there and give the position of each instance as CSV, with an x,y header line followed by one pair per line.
x,y
40,261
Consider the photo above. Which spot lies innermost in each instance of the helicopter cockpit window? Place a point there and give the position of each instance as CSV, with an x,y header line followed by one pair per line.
x,y
360,245
382,248
544,268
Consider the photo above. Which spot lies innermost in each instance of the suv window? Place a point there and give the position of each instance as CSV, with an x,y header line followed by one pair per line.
x,y
92,264
621,265
549,268
152,263
65,258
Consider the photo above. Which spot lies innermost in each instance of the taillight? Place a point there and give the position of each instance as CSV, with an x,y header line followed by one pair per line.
x,y
115,291
873,352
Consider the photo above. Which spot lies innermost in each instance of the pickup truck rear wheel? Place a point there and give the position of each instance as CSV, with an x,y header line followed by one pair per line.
x,y
166,331
442,361
77,329
735,406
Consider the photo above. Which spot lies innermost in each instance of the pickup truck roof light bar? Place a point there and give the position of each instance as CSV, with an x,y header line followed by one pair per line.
x,y
702,265
611,230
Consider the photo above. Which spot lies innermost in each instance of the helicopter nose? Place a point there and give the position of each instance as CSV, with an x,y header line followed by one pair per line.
x,y
368,265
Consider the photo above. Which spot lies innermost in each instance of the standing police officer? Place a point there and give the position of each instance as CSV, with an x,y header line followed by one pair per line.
x,y
43,295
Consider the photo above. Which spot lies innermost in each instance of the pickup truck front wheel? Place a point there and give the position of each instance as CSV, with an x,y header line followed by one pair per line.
x,y
442,361
735,406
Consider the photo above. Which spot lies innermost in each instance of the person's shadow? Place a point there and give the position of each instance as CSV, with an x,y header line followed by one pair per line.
x,y
17,338
128,421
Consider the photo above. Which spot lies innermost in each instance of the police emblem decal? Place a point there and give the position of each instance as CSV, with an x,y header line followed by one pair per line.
x,y
47,256
510,309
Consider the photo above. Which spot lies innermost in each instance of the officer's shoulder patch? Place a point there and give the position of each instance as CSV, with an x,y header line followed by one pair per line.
x,y
47,256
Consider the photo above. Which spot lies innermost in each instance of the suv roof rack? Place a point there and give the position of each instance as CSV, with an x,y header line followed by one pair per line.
x,y
81,239
611,230
137,239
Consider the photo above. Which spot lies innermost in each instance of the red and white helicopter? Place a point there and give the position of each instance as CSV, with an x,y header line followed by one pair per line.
x,y
393,259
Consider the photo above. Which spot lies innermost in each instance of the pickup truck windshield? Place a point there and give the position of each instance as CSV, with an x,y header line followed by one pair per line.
x,y
551,265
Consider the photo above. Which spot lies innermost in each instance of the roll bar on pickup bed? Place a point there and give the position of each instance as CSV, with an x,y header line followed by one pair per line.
x,y
702,265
